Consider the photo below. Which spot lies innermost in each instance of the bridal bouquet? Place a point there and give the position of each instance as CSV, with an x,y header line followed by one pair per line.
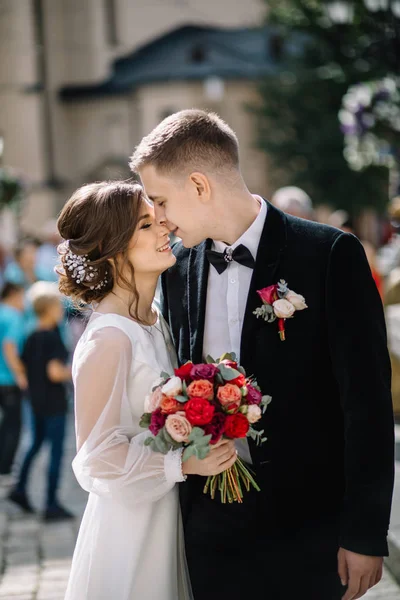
x,y
198,406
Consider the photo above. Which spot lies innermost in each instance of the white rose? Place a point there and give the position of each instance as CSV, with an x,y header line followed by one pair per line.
x,y
253,413
173,387
298,301
283,309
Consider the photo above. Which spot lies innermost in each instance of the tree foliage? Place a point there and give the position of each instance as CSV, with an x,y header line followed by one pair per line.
x,y
298,121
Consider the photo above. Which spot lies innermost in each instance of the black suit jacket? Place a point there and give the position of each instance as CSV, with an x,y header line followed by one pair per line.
x,y
330,449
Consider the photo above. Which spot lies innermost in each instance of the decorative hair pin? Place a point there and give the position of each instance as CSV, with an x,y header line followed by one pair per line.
x,y
80,269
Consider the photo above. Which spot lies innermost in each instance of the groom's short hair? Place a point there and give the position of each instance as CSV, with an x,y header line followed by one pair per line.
x,y
189,139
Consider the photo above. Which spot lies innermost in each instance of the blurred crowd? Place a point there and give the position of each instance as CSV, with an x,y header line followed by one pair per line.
x,y
39,330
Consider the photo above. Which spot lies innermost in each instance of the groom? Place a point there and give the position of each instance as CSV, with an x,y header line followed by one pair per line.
x,y
317,530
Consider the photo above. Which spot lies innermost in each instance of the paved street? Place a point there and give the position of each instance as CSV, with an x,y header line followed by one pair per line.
x,y
35,558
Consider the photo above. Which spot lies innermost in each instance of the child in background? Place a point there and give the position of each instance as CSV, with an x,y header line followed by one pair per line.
x,y
12,374
45,358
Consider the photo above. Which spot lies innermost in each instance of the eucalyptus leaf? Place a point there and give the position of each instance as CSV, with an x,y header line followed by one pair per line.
x,y
160,444
202,452
165,375
210,360
196,434
145,420
148,441
266,400
241,370
228,356
181,399
188,452
170,440
219,379
228,373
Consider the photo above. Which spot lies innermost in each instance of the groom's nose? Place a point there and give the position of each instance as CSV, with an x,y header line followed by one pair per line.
x,y
159,213
161,219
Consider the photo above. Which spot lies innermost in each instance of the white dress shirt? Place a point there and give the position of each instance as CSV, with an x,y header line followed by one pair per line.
x,y
226,302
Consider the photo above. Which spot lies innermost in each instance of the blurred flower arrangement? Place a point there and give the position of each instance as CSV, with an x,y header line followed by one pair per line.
x,y
370,122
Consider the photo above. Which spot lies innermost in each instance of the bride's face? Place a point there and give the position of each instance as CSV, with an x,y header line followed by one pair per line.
x,y
149,250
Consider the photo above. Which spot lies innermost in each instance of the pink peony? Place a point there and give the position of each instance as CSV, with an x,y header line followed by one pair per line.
x,y
178,427
153,401
229,394
201,388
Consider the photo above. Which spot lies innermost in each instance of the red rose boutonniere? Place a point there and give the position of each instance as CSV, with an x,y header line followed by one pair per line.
x,y
279,303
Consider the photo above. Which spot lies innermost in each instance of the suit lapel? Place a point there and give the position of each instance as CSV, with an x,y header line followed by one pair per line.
x,y
197,279
270,250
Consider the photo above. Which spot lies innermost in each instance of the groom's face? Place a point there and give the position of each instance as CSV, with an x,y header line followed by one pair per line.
x,y
178,203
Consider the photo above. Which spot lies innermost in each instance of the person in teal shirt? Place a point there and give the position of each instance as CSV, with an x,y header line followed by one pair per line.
x,y
12,372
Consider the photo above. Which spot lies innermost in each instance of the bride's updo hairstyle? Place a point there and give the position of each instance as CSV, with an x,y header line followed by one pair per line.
x,y
97,224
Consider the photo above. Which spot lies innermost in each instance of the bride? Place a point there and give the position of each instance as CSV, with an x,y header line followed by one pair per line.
x,y
130,544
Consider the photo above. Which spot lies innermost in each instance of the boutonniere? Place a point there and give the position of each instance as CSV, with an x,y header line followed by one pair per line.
x,y
279,303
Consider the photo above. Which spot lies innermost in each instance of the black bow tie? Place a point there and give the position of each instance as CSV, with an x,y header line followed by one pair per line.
x,y
220,260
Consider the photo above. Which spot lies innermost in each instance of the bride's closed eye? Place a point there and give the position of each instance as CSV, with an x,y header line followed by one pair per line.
x,y
146,226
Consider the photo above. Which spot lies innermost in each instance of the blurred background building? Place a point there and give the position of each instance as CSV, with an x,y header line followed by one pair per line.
x,y
82,81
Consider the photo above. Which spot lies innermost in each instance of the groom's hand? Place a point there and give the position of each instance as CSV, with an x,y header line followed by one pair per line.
x,y
358,572
221,457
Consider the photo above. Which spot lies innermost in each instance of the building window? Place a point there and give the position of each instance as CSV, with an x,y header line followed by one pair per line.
x,y
110,17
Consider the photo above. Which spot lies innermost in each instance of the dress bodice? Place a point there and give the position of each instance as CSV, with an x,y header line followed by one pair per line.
x,y
152,354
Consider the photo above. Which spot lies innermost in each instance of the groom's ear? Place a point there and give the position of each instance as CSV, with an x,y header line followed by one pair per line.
x,y
201,184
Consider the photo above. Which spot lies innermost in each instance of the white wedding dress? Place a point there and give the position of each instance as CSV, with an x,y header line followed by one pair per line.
x,y
130,543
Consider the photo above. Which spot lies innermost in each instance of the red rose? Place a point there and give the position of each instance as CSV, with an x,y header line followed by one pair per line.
x,y
199,411
215,428
184,371
239,381
236,426
269,294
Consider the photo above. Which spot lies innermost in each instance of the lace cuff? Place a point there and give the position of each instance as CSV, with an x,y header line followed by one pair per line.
x,y
173,466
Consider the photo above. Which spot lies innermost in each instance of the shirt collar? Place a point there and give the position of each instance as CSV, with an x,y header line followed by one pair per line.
x,y
251,237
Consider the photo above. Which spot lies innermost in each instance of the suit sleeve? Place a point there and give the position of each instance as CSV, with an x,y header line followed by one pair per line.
x,y
360,360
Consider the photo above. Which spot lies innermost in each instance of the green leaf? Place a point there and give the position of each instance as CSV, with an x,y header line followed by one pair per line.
x,y
181,399
228,373
202,452
188,452
175,445
219,379
241,370
228,356
266,400
196,434
145,420
210,360
165,375
148,441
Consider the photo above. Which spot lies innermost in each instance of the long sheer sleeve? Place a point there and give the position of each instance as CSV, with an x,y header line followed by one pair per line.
x,y
111,460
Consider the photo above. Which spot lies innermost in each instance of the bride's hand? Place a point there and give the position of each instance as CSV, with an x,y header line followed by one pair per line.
x,y
221,457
